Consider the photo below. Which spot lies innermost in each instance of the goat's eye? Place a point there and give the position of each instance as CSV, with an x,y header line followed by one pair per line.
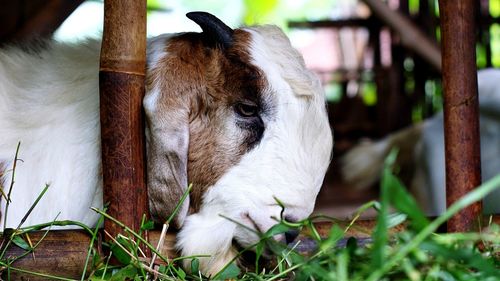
x,y
247,110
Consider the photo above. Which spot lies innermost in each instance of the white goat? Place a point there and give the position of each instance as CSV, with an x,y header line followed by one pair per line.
x,y
235,112
422,146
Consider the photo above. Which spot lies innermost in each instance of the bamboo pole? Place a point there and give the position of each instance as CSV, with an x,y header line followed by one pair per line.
x,y
461,121
122,72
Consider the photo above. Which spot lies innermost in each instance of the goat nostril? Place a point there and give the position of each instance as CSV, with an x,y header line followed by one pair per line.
x,y
291,235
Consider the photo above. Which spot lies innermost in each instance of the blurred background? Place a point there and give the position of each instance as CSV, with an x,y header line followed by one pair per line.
x,y
374,82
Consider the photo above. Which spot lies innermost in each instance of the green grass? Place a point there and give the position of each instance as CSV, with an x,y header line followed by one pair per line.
x,y
417,253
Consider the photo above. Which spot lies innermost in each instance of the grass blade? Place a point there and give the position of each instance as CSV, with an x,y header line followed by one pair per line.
x,y
476,195
91,244
12,180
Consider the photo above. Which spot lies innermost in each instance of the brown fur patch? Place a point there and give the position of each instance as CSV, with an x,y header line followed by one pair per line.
x,y
207,82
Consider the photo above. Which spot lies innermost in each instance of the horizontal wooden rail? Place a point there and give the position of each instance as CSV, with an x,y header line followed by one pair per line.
x,y
63,253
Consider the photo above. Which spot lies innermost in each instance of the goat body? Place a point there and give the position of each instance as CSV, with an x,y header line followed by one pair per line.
x,y
236,114
49,101
422,146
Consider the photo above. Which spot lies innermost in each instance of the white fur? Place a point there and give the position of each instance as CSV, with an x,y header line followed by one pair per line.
x,y
289,163
49,102
362,165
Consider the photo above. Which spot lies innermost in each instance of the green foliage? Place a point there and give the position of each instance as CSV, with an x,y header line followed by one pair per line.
x,y
494,6
495,44
417,253
279,12
128,272
230,272
369,93
414,6
333,92
481,59
21,243
258,10
156,5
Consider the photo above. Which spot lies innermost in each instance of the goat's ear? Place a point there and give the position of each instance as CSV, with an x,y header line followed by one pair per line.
x,y
214,30
167,151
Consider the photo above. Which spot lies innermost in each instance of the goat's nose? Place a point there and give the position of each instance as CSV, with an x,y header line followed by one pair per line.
x,y
291,235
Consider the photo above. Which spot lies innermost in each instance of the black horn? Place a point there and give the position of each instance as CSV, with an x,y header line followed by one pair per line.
x,y
214,29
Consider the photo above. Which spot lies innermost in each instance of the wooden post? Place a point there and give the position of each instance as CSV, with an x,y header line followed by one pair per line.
x,y
122,72
461,121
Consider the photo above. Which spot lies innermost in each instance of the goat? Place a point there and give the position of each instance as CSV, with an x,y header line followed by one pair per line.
x,y
422,146
232,111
